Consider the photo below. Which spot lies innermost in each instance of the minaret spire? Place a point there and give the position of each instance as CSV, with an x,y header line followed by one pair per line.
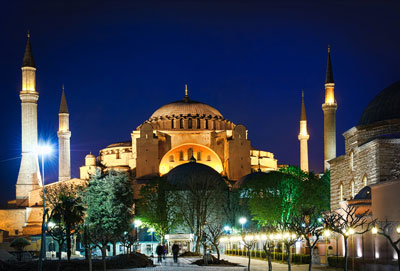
x,y
186,98
329,108
64,136
29,175
303,136
329,72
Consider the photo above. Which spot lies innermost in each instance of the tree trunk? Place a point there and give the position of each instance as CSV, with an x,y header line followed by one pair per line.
x,y
288,259
269,262
68,231
205,255
217,249
90,259
248,253
103,255
114,248
345,254
311,258
59,256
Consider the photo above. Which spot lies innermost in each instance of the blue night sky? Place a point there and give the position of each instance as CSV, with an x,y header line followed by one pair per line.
x,y
121,60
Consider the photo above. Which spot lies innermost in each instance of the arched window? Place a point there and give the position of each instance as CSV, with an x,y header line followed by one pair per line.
x,y
181,156
352,161
206,124
190,124
198,123
214,125
190,153
341,192
181,123
172,124
208,157
365,181
353,192
171,158
198,156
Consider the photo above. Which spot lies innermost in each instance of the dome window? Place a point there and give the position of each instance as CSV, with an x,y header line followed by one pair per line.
x,y
171,158
190,153
181,123
198,123
181,156
190,123
198,156
172,124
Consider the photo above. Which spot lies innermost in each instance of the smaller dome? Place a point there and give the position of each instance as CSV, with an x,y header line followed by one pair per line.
x,y
364,193
194,175
90,155
385,106
257,177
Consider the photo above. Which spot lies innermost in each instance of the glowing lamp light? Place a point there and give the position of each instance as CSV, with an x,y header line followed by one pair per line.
x,y
398,229
374,230
279,236
137,223
227,228
327,233
50,225
43,149
242,220
351,231
264,237
294,236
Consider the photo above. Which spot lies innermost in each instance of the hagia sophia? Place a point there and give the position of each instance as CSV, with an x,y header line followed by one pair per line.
x,y
367,174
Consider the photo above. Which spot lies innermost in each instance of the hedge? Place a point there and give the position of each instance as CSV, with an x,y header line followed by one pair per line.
x,y
277,256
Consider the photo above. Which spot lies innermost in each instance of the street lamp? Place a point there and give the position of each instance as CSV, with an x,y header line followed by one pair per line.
x,y
242,221
43,150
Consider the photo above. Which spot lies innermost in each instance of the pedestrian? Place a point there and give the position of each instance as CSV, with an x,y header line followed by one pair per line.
x,y
175,251
159,251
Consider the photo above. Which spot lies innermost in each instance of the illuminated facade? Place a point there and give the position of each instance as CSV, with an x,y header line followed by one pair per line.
x,y
179,130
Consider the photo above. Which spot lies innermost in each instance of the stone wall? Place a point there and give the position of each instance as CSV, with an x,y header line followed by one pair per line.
x,y
12,220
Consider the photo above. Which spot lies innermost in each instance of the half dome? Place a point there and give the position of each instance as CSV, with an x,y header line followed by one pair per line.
x,y
385,106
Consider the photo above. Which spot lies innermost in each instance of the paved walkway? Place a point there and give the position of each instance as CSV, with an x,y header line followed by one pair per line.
x,y
185,264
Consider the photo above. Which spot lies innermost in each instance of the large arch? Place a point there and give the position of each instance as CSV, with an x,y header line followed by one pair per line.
x,y
181,154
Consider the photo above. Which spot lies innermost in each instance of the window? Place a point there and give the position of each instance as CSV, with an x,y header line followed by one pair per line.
x,y
206,124
171,158
352,160
172,124
341,192
190,124
214,122
117,155
365,181
181,123
198,123
190,153
208,158
352,189
198,156
181,156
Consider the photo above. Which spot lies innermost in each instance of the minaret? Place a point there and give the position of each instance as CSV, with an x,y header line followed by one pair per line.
x,y
64,135
303,137
29,174
329,108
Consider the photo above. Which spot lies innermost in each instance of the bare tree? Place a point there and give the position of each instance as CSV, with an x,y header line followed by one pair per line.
x,y
248,241
306,225
346,222
213,233
388,229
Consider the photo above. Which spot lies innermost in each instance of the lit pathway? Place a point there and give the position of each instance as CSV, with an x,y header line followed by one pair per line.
x,y
185,264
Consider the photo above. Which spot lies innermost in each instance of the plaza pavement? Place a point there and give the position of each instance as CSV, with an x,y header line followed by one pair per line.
x,y
256,265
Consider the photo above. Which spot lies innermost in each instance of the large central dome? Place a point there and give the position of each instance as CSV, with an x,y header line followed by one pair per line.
x,y
186,107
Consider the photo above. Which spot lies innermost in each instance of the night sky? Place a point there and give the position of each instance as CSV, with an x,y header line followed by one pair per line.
x,y
121,60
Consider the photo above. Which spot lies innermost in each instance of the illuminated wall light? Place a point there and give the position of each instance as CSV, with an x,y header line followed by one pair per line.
x,y
395,257
377,255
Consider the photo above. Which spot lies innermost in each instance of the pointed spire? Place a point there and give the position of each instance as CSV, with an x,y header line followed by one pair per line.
x,y
28,56
63,104
329,73
303,108
186,98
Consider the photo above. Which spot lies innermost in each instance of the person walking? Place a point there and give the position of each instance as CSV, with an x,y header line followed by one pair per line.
x,y
175,251
160,252
165,251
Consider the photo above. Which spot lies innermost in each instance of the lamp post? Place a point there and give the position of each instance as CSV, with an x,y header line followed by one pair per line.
x,y
137,224
43,150
242,221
